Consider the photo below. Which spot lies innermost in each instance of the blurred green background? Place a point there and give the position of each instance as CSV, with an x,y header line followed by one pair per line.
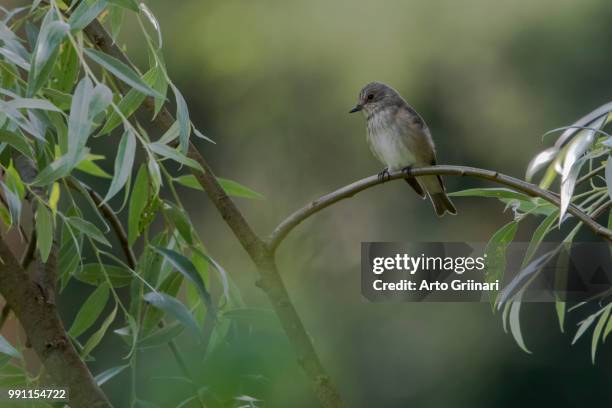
x,y
272,83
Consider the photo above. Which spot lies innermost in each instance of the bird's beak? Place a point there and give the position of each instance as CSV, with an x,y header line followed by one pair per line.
x,y
357,108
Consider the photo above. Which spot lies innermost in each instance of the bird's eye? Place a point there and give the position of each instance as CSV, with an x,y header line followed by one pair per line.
x,y
370,97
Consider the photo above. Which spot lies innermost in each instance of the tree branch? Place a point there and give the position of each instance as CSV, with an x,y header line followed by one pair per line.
x,y
111,217
46,333
270,281
287,225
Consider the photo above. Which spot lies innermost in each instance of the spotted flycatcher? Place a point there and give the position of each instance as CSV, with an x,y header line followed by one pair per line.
x,y
400,139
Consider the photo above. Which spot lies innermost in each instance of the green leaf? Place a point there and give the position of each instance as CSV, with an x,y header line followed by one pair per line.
x,y
574,160
235,189
185,267
90,311
87,165
525,275
17,141
515,326
538,236
608,329
52,32
55,170
231,188
127,106
106,375
583,326
60,99
609,176
121,71
490,192
14,203
182,117
32,103
95,339
8,349
173,307
603,319
93,274
154,174
149,14
123,164
127,4
495,251
162,336
222,273
180,220
88,229
68,67
85,102
560,310
173,154
201,135
15,58
129,103
13,181
160,84
85,13
116,15
44,232
138,202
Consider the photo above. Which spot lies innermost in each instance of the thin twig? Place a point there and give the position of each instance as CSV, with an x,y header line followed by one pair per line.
x,y
111,217
345,192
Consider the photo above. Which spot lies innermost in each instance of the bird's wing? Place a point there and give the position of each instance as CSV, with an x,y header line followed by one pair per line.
x,y
419,138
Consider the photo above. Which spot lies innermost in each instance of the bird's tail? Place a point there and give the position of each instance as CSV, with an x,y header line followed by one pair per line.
x,y
437,194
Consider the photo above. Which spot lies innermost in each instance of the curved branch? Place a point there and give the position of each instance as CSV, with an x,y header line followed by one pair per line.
x,y
286,226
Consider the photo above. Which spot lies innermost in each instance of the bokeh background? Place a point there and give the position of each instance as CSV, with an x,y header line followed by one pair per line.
x,y
272,82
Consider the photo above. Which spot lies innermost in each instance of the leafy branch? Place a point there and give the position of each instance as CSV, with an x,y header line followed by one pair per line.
x,y
77,84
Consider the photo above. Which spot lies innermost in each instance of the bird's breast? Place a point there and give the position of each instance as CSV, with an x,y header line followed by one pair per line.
x,y
389,142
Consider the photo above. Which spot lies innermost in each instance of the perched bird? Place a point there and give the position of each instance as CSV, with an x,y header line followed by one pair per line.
x,y
400,139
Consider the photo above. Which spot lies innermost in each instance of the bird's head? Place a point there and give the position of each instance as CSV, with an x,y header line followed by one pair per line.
x,y
375,96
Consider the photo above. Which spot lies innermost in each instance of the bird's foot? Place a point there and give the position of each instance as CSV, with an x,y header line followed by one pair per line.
x,y
407,169
384,175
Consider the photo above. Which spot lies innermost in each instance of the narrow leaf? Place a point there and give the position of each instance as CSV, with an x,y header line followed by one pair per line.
x,y
138,202
162,336
182,116
123,164
603,319
44,232
173,307
185,267
609,176
85,13
90,311
106,375
94,274
173,154
88,229
515,325
121,71
52,32
95,339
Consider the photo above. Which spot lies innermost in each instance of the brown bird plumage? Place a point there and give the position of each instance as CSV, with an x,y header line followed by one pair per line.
x,y
400,139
